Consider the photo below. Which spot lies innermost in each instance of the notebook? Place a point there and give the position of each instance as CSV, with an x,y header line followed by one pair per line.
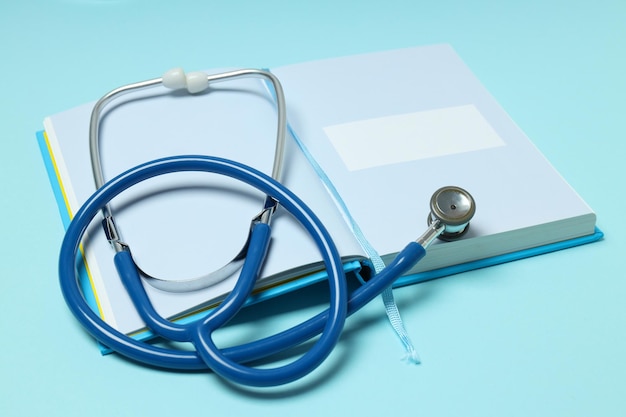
x,y
372,136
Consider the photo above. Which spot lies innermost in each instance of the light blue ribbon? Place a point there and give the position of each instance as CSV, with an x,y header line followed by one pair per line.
x,y
391,308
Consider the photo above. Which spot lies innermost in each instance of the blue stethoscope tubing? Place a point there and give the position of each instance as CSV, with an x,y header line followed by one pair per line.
x,y
227,362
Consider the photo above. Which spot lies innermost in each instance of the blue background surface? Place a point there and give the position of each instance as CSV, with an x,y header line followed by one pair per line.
x,y
541,337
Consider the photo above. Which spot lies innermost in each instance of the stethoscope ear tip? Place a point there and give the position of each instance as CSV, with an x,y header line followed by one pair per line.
x,y
453,207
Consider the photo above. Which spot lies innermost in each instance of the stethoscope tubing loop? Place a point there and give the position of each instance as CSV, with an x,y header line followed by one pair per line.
x,y
169,358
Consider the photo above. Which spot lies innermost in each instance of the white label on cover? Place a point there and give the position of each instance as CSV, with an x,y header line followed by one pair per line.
x,y
408,137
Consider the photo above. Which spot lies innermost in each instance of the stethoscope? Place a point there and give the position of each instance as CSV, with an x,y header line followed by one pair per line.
x,y
451,210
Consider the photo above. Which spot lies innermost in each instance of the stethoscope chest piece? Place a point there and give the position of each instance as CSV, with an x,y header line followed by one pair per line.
x,y
454,208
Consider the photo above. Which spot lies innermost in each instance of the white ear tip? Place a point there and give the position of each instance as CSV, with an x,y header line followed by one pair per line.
x,y
197,82
175,79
